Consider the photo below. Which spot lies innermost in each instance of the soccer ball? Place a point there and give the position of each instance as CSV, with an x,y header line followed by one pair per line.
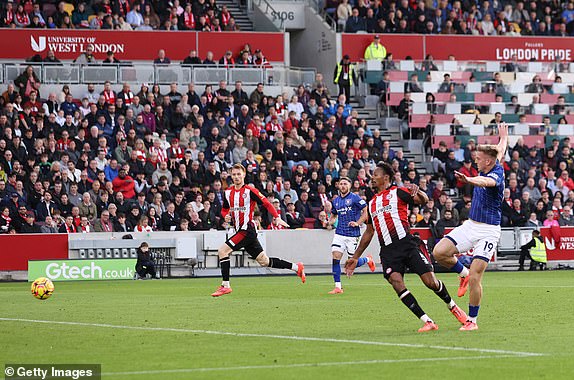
x,y
42,288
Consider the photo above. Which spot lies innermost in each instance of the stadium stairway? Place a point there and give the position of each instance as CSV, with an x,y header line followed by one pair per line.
x,y
239,12
390,130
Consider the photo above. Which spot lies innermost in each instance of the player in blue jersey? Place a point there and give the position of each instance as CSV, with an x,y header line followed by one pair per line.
x,y
350,212
481,231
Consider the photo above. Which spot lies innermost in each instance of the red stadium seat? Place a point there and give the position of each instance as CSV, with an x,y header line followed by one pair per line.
x,y
549,98
395,98
533,118
419,121
443,118
449,140
309,223
487,139
442,97
397,76
484,99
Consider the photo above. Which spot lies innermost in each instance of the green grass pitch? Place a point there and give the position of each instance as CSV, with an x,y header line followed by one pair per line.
x,y
277,328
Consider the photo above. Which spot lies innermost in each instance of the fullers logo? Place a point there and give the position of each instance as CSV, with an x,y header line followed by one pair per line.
x,y
39,46
73,44
534,51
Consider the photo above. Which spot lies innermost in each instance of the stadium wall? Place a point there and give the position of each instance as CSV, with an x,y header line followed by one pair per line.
x,y
19,44
313,247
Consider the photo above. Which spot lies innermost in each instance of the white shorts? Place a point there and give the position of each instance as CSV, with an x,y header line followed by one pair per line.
x,y
345,244
482,238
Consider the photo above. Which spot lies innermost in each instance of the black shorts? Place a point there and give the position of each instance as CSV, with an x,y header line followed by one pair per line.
x,y
404,254
246,239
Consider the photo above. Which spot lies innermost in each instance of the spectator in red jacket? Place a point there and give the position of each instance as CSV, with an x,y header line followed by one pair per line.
x,y
469,171
124,184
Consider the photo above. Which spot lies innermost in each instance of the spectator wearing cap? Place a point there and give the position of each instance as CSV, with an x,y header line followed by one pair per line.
x,y
344,76
123,152
375,50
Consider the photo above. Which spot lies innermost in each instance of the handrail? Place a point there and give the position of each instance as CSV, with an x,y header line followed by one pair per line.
x,y
69,73
277,21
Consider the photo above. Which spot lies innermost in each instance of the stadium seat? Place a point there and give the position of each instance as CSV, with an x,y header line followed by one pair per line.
x,y
497,107
442,129
477,129
533,119
431,87
309,223
560,88
487,139
419,120
484,99
549,98
474,88
408,65
452,108
397,87
541,109
443,118
448,139
419,109
521,130
492,66
565,130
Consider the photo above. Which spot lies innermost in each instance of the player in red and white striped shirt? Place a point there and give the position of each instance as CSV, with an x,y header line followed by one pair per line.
x,y
239,204
388,217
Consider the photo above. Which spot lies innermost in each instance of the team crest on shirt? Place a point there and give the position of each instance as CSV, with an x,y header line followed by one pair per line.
x,y
348,202
244,195
389,270
389,196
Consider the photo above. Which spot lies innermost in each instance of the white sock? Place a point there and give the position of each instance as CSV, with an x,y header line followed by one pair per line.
x,y
451,304
472,319
295,267
338,285
225,284
425,318
464,273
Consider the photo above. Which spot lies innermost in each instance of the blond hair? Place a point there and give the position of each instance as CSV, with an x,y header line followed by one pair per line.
x,y
238,167
489,150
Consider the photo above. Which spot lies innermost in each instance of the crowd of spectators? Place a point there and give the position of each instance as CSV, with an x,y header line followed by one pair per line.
x,y
510,18
147,15
144,160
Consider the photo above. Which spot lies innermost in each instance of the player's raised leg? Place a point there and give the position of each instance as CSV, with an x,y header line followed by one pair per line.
x,y
406,297
444,253
477,269
439,288
277,263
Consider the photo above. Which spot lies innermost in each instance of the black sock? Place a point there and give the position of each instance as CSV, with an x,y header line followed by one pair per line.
x,y
225,267
411,302
275,262
443,293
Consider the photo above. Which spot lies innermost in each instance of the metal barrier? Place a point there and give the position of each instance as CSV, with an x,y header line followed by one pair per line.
x,y
69,73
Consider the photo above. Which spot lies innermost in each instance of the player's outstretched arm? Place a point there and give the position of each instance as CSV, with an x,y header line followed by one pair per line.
x,y
503,143
480,181
351,263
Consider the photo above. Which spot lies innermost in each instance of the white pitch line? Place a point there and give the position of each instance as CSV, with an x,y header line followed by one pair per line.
x,y
300,365
270,336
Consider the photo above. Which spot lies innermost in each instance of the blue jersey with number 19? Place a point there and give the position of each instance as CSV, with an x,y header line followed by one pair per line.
x,y
348,209
486,206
